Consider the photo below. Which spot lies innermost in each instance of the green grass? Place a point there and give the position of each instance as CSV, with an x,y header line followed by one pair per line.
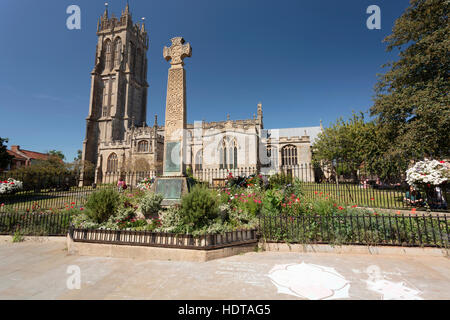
x,y
46,199
355,195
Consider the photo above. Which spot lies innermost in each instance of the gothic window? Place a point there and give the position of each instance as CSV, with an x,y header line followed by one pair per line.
x,y
269,155
108,55
138,69
112,91
289,155
199,160
132,56
117,52
112,163
143,146
228,153
105,102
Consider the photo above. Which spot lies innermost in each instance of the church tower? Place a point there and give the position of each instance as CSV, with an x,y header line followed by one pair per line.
x,y
118,98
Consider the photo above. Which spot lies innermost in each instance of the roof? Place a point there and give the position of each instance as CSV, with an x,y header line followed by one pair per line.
x,y
312,132
35,155
16,155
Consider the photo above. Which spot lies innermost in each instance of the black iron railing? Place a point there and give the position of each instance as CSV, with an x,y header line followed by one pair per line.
x,y
363,229
35,224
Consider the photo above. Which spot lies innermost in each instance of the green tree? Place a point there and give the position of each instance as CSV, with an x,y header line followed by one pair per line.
x,y
58,154
346,141
412,106
79,156
5,158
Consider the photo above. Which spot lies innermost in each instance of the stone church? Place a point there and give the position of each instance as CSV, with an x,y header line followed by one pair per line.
x,y
120,143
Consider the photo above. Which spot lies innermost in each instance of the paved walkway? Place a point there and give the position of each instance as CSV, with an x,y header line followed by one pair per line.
x,y
31,270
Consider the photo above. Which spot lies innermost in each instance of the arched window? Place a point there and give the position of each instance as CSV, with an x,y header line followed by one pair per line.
x,y
199,160
289,155
143,146
108,55
112,163
138,69
117,52
228,153
132,56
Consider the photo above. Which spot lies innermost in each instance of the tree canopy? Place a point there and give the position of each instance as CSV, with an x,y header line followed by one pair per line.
x,y
5,158
58,154
412,106
411,111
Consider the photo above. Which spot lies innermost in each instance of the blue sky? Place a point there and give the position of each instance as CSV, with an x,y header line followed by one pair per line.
x,y
304,60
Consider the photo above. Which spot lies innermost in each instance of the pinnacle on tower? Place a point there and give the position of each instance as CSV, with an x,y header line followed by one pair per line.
x,y
143,25
105,14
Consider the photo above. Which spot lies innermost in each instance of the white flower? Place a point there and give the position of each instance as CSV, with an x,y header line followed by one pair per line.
x,y
9,186
428,172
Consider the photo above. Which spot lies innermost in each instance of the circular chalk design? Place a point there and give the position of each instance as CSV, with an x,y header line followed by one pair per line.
x,y
309,281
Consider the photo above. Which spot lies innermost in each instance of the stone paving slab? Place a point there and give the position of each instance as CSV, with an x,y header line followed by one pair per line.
x,y
32,270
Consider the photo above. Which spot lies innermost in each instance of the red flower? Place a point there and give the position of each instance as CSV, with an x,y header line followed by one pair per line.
x,y
334,204
81,209
72,203
372,199
340,208
354,206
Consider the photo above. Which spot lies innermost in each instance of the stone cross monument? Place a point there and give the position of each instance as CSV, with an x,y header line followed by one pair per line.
x,y
174,132
174,183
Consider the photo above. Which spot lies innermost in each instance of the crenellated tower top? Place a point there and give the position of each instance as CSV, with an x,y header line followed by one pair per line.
x,y
108,24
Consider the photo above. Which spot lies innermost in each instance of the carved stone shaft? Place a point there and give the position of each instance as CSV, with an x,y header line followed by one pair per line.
x,y
175,125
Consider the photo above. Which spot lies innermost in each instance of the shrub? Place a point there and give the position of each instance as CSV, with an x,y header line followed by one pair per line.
x,y
294,188
18,237
199,206
150,203
102,204
171,220
279,180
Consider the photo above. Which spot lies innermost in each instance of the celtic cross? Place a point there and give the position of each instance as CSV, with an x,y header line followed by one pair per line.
x,y
177,52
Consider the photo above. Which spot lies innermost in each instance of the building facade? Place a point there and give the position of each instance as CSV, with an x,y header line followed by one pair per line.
x,y
119,142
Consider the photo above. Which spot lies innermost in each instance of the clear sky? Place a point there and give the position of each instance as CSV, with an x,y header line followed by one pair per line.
x,y
304,60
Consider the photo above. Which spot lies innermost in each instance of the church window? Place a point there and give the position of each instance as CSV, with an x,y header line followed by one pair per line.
x,y
289,155
199,160
117,52
228,153
112,163
108,55
143,146
138,67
